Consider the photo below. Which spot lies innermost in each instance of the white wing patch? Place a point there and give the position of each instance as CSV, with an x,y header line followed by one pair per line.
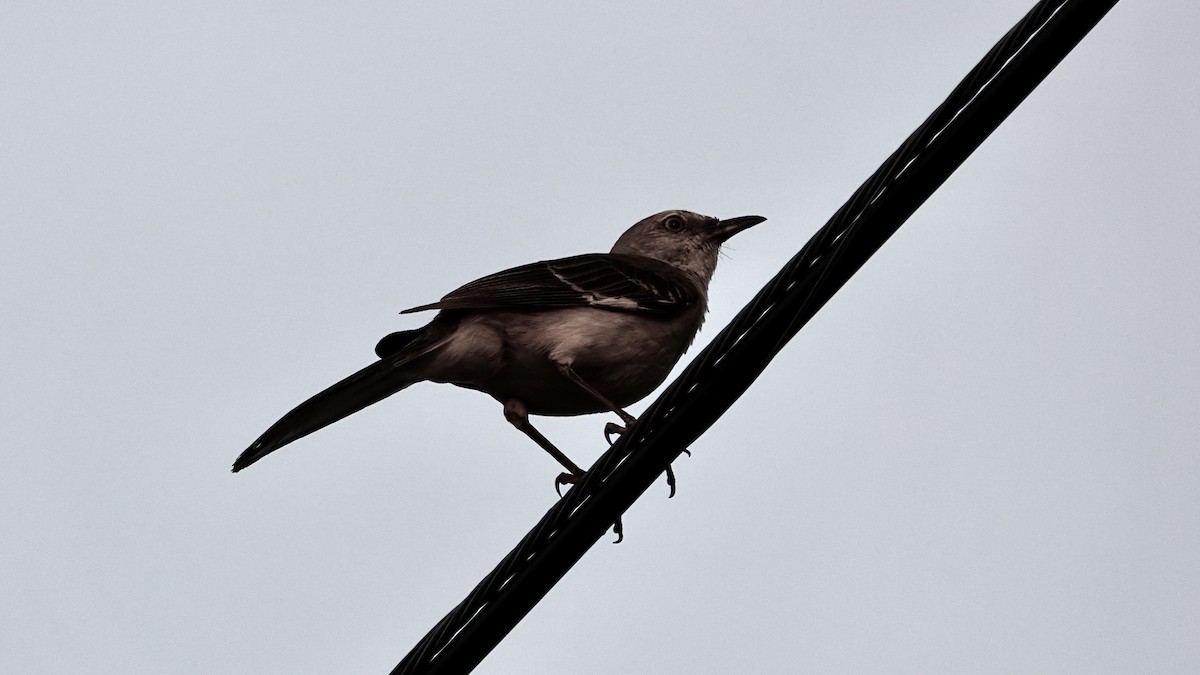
x,y
575,287
597,299
618,303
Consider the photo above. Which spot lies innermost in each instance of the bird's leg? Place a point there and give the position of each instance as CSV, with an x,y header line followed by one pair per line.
x,y
612,428
518,415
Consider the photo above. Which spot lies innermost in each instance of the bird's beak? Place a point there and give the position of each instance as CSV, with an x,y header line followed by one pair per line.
x,y
724,229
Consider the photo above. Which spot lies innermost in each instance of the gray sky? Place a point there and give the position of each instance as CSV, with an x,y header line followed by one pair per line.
x,y
981,456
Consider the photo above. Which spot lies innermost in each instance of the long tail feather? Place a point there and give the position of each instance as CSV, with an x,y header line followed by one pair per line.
x,y
369,385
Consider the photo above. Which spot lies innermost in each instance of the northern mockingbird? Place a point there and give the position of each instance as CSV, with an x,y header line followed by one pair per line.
x,y
572,336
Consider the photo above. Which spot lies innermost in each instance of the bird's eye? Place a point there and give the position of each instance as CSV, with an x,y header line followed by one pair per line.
x,y
673,223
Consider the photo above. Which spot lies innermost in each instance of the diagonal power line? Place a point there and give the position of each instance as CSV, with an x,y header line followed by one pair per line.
x,y
730,364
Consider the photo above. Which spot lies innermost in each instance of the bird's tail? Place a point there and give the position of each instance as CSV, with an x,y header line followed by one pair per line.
x,y
369,385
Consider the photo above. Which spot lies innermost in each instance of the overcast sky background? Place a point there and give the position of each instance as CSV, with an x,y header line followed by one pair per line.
x,y
981,456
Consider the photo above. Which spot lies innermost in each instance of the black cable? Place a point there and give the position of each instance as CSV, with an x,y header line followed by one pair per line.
x,y
725,369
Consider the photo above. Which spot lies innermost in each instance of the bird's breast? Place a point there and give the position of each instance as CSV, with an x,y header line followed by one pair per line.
x,y
624,356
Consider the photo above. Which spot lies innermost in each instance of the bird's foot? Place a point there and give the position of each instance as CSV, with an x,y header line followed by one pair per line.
x,y
613,428
567,479
573,478
671,475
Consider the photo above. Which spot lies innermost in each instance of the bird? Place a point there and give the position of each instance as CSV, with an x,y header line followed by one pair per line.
x,y
572,336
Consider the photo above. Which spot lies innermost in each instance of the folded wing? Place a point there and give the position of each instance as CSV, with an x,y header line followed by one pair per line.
x,y
612,281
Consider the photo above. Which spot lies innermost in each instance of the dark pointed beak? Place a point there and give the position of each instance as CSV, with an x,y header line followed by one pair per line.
x,y
724,229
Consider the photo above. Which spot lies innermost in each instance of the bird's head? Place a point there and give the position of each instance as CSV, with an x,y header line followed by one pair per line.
x,y
685,240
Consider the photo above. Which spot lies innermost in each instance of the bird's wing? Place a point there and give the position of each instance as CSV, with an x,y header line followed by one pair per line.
x,y
613,281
